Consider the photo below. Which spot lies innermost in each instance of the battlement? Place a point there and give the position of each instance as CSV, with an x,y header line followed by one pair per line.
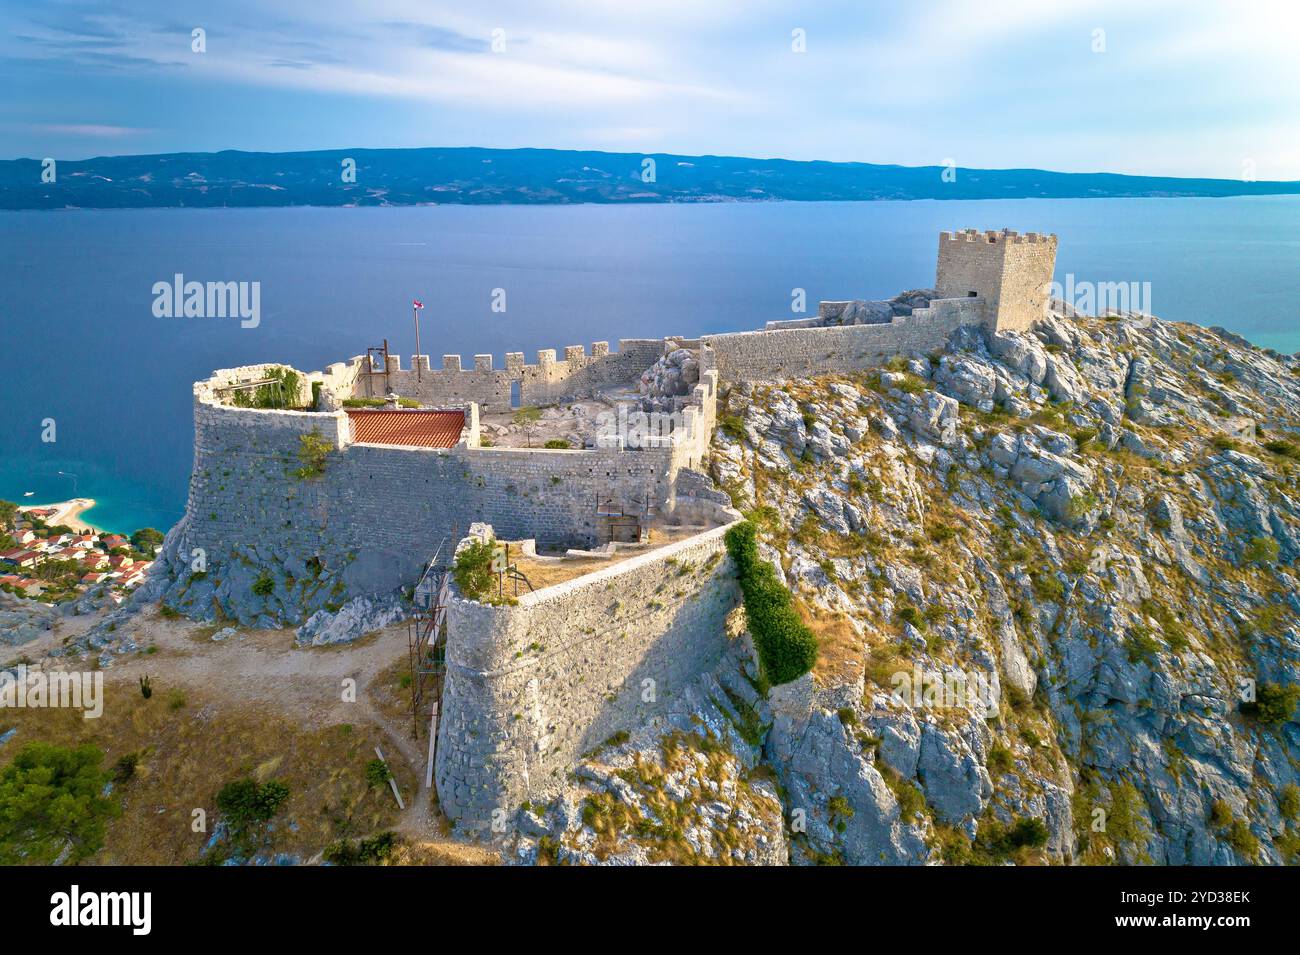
x,y
995,236
549,380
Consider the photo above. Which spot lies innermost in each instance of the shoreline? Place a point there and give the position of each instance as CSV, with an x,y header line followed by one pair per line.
x,y
68,513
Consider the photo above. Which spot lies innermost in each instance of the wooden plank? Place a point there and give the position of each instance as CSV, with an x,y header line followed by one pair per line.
x,y
391,781
433,742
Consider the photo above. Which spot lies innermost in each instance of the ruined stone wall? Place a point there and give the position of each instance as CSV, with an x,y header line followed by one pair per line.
x,y
794,352
530,688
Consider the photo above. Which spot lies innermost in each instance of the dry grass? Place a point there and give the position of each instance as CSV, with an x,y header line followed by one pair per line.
x,y
442,853
390,693
189,752
840,651
547,573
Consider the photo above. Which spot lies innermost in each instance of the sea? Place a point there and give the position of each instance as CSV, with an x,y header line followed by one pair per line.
x,y
96,384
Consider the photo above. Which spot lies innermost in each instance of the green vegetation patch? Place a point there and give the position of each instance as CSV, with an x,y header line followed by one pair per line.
x,y
787,648
53,804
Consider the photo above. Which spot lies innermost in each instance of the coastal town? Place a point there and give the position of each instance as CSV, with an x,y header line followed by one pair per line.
x,y
47,554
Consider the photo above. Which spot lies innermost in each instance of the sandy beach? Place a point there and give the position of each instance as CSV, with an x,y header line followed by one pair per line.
x,y
67,512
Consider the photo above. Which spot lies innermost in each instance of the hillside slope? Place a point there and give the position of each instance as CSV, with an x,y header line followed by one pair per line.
x,y
1078,517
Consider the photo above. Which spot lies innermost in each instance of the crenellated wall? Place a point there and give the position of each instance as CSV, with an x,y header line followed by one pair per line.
x,y
549,381
530,688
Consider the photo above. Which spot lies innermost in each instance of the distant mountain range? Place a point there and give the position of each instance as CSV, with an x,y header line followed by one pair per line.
x,y
403,177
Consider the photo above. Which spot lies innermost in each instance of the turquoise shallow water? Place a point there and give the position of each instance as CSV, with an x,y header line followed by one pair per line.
x,y
84,348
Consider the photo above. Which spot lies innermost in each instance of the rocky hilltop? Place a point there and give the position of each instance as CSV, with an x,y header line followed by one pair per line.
x,y
1052,577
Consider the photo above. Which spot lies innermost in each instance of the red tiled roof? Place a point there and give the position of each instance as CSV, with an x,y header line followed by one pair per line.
x,y
415,429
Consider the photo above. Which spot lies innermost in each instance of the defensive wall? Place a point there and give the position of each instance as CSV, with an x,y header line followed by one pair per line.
x,y
374,513
549,381
784,352
530,688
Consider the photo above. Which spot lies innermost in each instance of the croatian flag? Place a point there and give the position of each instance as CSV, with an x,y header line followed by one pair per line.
x,y
418,304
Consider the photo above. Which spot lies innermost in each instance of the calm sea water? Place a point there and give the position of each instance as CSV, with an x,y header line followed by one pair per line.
x,y
83,348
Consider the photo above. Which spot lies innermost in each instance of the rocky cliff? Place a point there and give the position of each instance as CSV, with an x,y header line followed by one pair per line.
x,y
1052,577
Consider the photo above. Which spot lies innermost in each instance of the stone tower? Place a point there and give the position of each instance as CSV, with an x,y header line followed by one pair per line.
x,y
1010,271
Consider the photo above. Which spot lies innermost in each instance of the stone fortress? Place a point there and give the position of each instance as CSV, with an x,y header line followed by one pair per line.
x,y
292,513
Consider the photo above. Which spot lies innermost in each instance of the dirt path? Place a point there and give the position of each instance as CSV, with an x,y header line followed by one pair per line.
x,y
265,668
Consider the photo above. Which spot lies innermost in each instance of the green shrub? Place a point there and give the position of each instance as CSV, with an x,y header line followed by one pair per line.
x,y
264,585
998,840
1285,449
473,569
312,452
374,849
377,773
246,807
910,615
364,402
280,392
1047,586
124,768
1220,814
733,426
1288,802
1261,550
787,649
1242,839
52,799
1000,760
556,444
1140,645
840,812
1273,704
1172,628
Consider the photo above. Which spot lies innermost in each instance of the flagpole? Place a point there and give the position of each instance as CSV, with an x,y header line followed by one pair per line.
x,y
415,313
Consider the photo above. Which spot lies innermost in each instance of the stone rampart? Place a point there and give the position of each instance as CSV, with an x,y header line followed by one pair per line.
x,y
530,688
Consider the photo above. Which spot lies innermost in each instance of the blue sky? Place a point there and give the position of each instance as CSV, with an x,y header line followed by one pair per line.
x,y
1194,87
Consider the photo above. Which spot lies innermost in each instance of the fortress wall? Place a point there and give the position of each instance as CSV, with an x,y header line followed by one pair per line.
x,y
549,381
530,688
795,352
451,384
377,512
1030,264
371,518
698,420
338,382
551,495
